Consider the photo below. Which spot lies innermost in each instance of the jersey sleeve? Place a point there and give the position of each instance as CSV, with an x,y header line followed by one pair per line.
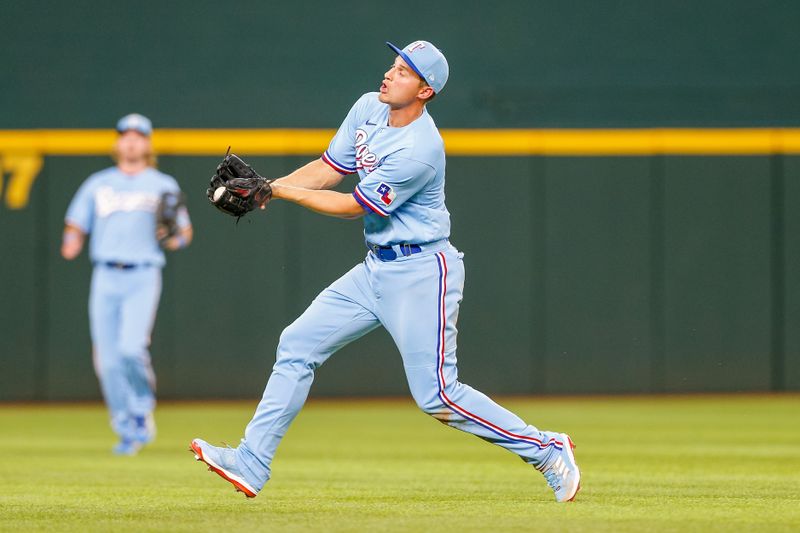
x,y
395,181
182,216
80,212
183,219
341,152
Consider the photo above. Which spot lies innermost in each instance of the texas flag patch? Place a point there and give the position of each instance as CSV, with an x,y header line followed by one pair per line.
x,y
387,193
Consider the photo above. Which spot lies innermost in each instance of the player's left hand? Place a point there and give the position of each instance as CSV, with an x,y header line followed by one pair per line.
x,y
236,189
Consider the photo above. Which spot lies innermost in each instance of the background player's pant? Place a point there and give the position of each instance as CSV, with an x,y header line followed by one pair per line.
x,y
122,310
416,299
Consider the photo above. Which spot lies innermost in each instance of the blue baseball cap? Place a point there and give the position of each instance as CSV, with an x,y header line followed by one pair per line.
x,y
135,122
427,61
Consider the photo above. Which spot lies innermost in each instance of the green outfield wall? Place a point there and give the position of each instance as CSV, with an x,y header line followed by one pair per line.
x,y
596,274
619,262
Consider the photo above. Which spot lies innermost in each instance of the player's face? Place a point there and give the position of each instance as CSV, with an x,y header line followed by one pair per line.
x,y
133,146
401,85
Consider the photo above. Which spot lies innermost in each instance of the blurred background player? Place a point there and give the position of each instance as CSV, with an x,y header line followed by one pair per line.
x,y
411,281
117,207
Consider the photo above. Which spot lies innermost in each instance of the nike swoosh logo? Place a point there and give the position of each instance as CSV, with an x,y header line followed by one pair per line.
x,y
371,123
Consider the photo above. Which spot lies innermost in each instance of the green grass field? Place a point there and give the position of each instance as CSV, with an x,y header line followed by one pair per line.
x,y
696,463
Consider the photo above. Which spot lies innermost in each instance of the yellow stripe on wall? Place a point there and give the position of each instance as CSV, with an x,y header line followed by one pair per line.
x,y
458,142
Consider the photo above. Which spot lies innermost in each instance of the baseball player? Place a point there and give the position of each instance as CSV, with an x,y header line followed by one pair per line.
x,y
119,208
410,282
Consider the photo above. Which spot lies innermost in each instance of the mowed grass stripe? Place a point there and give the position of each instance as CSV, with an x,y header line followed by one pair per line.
x,y
697,463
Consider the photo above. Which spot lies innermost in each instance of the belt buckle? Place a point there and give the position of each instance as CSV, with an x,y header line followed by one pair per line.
x,y
410,249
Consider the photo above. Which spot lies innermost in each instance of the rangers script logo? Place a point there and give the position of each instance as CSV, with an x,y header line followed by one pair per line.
x,y
108,201
364,158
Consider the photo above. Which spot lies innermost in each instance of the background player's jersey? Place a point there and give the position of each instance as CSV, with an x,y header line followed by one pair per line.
x,y
401,173
118,210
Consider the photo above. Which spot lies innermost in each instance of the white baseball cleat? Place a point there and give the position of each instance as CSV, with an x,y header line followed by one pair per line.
x,y
222,461
562,472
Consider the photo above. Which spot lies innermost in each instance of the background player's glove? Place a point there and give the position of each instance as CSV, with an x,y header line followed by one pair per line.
x,y
167,216
236,189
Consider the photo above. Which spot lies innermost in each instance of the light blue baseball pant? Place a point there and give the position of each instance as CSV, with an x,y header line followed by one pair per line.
x,y
122,310
416,298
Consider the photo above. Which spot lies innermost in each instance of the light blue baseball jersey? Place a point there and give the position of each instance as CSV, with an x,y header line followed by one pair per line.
x,y
118,210
401,173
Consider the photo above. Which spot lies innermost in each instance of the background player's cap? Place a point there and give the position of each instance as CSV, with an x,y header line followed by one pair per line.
x,y
427,61
135,122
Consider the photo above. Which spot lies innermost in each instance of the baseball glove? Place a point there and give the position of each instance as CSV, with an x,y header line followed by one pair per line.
x,y
167,215
236,189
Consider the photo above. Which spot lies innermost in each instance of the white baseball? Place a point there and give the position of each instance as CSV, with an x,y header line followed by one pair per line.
x,y
218,193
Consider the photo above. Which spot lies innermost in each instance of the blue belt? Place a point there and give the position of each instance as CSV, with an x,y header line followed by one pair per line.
x,y
389,253
122,266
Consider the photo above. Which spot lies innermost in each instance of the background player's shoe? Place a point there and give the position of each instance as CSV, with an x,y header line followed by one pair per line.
x,y
126,447
562,473
223,462
144,428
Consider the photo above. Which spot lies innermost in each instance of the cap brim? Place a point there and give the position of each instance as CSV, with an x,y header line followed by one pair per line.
x,y
137,130
407,60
